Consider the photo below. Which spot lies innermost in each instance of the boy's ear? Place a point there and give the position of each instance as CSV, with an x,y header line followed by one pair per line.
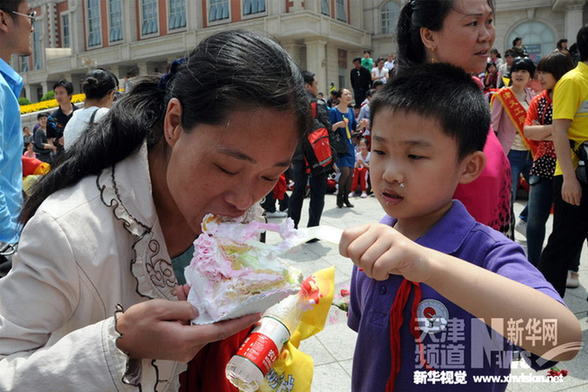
x,y
471,167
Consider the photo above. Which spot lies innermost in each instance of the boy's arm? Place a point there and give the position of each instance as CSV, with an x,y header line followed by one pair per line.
x,y
381,251
498,297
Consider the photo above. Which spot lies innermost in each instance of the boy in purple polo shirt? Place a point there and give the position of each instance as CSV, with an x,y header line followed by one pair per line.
x,y
439,301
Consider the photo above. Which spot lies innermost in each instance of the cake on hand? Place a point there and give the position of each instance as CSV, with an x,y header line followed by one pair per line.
x,y
233,274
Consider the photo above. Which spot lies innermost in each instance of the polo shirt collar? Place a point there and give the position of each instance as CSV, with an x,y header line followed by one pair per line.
x,y
13,79
449,233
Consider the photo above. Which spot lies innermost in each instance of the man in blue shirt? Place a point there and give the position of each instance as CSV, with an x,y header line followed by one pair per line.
x,y
16,25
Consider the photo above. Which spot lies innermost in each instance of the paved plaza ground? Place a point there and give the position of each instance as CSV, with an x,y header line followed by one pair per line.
x,y
332,349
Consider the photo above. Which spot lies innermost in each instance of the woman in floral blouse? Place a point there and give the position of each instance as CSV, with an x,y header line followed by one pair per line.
x,y
538,127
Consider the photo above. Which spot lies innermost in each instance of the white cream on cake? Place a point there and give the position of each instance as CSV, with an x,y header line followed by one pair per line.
x,y
232,273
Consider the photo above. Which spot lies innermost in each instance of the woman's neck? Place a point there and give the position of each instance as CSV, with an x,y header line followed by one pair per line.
x,y
176,231
99,103
342,107
517,89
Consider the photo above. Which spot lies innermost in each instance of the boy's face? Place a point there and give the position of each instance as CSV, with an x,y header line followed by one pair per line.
x,y
410,149
61,95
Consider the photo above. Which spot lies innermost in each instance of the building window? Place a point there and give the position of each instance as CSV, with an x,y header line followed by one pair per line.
x,y
94,28
253,7
341,13
389,13
325,8
37,45
538,38
177,14
65,34
24,63
149,15
115,20
218,10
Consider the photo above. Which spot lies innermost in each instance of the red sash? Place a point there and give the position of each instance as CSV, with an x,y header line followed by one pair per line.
x,y
517,114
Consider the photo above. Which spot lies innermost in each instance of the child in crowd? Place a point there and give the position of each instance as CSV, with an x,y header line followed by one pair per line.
x,y
361,170
28,150
429,281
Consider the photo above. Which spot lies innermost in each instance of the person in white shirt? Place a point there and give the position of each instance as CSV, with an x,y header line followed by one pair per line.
x,y
100,87
379,72
390,62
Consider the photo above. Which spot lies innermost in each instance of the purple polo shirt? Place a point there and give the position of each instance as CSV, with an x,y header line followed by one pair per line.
x,y
457,345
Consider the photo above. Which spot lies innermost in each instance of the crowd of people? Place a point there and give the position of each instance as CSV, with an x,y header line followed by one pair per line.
x,y
94,298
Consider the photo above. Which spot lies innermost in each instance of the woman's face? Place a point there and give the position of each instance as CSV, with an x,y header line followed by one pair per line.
x,y
466,37
547,80
346,96
520,78
224,169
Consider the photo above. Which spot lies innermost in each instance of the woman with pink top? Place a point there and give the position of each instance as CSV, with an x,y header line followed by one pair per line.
x,y
487,199
509,110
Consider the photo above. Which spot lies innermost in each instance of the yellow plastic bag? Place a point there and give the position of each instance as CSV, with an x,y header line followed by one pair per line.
x,y
293,370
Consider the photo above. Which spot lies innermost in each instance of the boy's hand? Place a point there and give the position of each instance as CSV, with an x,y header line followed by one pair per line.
x,y
381,250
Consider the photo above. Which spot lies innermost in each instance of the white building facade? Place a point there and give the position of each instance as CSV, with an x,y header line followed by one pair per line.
x,y
138,37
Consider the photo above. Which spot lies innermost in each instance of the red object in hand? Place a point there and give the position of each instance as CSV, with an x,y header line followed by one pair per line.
x,y
206,372
344,292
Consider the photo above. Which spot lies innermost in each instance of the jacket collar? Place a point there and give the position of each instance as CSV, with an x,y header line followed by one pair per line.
x,y
126,189
13,79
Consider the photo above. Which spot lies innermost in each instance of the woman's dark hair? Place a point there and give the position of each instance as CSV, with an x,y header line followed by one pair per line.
x,y
414,15
308,77
514,41
98,83
561,42
523,64
488,65
228,71
440,92
556,63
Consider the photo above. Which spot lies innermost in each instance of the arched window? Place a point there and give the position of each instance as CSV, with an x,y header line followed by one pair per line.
x,y
538,38
389,12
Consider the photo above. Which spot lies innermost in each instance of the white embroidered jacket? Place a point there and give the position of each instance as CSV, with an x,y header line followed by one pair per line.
x,y
87,249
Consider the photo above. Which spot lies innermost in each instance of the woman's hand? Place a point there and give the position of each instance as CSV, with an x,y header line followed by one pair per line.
x,y
381,251
160,329
339,124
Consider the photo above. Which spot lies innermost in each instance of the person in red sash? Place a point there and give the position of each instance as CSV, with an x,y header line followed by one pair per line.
x,y
509,110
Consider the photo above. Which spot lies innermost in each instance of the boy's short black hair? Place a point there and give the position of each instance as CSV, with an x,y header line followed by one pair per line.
x,y
442,92
65,84
41,115
509,52
582,42
357,59
523,64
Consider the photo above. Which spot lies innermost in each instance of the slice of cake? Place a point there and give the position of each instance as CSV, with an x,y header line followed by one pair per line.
x,y
233,274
